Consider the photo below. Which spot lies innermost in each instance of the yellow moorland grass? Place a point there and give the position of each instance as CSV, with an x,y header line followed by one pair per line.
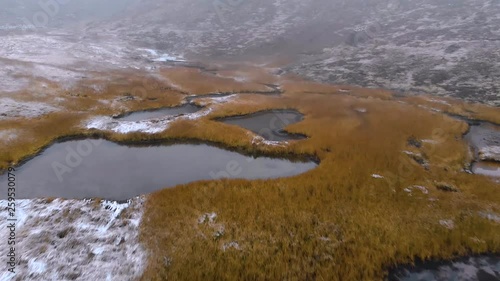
x,y
336,222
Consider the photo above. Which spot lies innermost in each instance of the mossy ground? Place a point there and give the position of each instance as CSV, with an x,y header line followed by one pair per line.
x,y
336,222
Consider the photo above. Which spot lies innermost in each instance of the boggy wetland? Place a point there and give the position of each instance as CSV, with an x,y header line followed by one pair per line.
x,y
316,182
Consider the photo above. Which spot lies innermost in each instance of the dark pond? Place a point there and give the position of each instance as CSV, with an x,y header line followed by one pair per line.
x,y
268,124
480,136
102,169
159,113
480,268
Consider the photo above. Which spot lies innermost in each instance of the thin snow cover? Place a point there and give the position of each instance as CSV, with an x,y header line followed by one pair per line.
x,y
107,123
432,109
197,115
10,108
257,140
7,136
377,176
440,102
76,240
430,141
223,98
490,216
490,153
155,56
17,27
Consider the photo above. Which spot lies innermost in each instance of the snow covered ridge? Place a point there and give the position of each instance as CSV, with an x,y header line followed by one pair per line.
x,y
76,240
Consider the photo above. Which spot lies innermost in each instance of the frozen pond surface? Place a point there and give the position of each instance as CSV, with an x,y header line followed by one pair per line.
x,y
268,124
159,113
481,268
102,169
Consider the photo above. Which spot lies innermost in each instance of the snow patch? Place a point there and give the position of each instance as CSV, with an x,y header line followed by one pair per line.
x,y
107,123
490,216
63,239
257,140
157,57
207,218
489,153
10,108
430,141
449,224
7,136
36,267
231,245
377,176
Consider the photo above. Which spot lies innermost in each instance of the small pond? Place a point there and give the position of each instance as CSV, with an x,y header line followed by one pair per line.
x,y
102,169
268,124
479,268
159,113
480,136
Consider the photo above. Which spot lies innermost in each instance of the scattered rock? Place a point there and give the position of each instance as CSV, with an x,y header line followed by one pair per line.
x,y
219,232
232,244
446,187
419,158
490,216
489,153
413,141
422,189
449,224
126,97
207,218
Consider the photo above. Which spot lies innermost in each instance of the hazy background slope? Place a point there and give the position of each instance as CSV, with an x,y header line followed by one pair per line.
x,y
444,47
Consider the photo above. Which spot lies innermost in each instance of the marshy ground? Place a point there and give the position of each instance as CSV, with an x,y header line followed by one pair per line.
x,y
391,187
